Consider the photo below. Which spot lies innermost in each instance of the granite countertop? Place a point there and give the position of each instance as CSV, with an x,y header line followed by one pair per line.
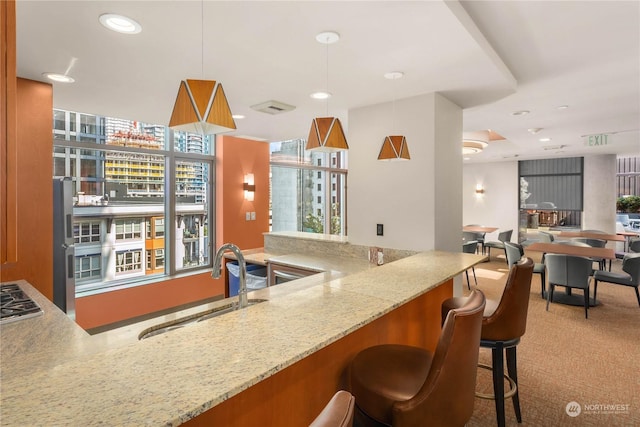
x,y
53,373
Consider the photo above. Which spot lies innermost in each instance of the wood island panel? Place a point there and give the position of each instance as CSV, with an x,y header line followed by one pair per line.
x,y
295,395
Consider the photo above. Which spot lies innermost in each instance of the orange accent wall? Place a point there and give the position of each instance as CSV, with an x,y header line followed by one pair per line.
x,y
235,157
29,174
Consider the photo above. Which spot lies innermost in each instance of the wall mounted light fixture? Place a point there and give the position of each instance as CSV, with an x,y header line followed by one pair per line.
x,y
249,187
479,189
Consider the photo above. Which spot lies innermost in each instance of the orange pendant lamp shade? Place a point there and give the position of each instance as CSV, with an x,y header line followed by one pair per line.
x,y
326,134
394,148
201,107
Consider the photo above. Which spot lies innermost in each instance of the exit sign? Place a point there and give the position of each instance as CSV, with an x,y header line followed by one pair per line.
x,y
598,140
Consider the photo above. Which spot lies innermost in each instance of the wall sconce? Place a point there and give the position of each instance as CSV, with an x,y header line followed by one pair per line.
x,y
249,187
479,189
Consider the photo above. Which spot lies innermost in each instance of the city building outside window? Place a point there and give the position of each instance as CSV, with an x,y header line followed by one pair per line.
x,y
142,196
308,189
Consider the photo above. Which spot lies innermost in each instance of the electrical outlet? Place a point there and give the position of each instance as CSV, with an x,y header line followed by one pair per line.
x,y
380,229
253,216
247,216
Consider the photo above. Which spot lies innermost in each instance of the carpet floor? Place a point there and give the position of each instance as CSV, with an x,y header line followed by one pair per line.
x,y
565,358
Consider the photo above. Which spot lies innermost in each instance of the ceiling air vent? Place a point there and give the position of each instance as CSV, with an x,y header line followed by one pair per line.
x,y
273,107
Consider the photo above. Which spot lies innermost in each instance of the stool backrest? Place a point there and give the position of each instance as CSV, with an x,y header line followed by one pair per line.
x,y
509,320
448,393
338,412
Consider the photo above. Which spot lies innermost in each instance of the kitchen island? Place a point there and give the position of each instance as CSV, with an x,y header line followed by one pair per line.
x,y
274,363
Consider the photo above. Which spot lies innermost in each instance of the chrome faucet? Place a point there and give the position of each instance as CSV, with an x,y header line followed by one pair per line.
x,y
217,270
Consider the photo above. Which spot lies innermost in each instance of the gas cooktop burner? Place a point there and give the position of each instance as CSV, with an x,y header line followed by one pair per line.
x,y
15,304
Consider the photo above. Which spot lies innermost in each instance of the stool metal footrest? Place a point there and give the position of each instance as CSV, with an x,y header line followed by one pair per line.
x,y
509,393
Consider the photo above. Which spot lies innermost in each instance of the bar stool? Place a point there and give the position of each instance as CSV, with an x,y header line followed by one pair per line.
x,y
503,325
337,413
402,385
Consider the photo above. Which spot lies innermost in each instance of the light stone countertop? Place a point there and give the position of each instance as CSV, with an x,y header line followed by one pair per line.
x,y
53,373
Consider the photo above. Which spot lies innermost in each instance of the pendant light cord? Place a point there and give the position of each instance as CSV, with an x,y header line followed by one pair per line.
x,y
327,78
202,38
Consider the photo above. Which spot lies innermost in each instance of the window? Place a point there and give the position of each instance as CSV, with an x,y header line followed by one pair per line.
x,y
155,259
128,229
302,184
88,266
159,227
147,190
86,232
128,261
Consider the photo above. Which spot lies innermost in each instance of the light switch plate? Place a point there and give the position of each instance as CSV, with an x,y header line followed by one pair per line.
x,y
247,216
253,216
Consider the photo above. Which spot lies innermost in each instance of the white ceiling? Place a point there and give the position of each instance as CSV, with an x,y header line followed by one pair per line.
x,y
489,57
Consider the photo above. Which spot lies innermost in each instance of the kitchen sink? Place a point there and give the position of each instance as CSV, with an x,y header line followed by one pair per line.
x,y
193,318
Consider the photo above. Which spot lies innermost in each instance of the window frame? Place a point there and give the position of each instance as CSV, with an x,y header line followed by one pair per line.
x,y
68,150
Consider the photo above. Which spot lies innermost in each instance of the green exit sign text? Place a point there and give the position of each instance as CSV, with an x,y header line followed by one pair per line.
x,y
597,140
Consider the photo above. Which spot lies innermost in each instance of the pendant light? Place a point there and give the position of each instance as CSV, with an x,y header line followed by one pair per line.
x,y
201,105
326,133
394,147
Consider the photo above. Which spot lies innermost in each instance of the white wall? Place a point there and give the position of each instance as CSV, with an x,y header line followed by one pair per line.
x,y
498,205
408,197
599,198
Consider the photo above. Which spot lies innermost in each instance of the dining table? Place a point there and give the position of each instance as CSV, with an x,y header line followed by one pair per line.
x,y
628,236
586,251
591,235
479,229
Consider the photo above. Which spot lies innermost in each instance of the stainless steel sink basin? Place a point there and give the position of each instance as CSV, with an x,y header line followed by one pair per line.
x,y
194,318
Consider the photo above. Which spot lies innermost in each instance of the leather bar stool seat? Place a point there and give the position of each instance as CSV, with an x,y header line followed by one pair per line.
x,y
503,324
403,385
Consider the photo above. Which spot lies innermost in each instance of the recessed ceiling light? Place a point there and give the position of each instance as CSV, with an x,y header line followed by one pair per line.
x,y
320,95
393,75
120,24
562,107
237,116
544,139
59,78
520,113
533,131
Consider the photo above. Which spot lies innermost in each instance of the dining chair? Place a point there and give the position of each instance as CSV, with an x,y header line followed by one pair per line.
x,y
515,251
629,277
479,237
470,248
503,236
571,272
595,243
545,237
403,385
468,236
